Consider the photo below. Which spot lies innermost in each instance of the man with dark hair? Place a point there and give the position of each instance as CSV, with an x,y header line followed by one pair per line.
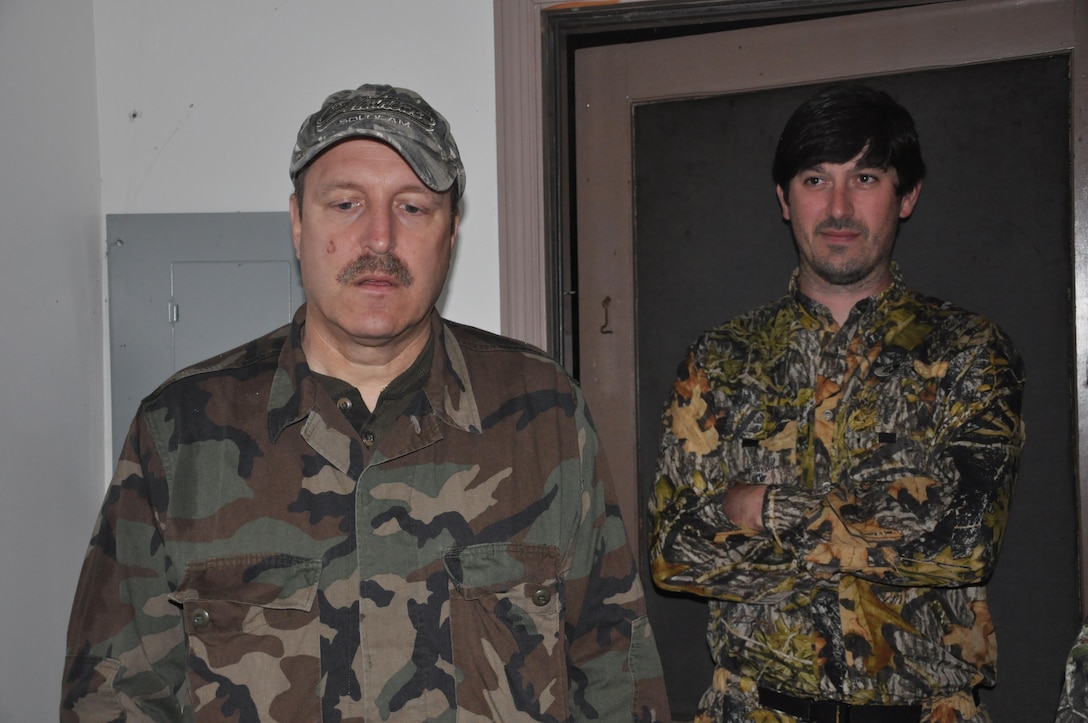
x,y
836,466
372,513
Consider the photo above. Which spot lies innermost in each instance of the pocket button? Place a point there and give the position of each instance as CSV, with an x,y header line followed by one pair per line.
x,y
201,618
541,597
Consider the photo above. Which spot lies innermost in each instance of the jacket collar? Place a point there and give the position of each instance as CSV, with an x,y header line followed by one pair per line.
x,y
294,392
863,308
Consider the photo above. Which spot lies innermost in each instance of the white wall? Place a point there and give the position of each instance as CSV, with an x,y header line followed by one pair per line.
x,y
200,102
145,106
51,371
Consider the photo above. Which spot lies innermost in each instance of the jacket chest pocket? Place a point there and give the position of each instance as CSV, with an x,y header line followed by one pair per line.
x,y
251,622
762,452
890,426
505,625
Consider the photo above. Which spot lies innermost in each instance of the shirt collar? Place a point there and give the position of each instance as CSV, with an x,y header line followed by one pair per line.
x,y
448,387
872,304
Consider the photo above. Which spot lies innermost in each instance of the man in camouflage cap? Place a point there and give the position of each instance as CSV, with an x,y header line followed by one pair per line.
x,y
372,513
836,466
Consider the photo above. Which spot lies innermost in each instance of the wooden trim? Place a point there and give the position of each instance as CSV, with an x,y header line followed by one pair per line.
x,y
1079,186
522,244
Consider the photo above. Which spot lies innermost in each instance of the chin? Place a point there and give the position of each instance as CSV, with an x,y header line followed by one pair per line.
x,y
373,335
374,331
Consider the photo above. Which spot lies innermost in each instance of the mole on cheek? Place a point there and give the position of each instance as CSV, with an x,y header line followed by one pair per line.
x,y
331,248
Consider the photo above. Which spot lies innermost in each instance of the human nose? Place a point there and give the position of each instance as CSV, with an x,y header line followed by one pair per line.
x,y
840,204
377,233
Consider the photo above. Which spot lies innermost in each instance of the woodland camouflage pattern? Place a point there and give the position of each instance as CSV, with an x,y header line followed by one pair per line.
x,y
891,446
255,561
1073,706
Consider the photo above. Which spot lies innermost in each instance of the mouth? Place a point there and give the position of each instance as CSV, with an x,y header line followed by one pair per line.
x,y
840,236
375,281
841,231
376,272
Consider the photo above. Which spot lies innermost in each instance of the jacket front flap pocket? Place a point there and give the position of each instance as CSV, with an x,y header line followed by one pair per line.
x,y
506,631
479,570
274,581
256,607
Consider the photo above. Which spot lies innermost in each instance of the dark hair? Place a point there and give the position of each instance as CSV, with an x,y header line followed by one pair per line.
x,y
842,121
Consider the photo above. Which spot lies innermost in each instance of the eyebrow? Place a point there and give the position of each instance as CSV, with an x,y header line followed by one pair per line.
x,y
347,185
867,168
337,186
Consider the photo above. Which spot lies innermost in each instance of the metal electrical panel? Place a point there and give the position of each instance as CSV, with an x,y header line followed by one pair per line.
x,y
184,287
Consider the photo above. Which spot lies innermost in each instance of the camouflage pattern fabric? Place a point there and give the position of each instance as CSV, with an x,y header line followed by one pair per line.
x,y
734,697
255,560
1073,706
890,447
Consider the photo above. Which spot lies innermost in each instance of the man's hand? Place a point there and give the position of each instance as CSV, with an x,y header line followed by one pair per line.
x,y
743,504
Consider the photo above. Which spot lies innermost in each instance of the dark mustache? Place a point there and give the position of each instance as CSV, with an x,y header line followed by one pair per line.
x,y
841,224
386,264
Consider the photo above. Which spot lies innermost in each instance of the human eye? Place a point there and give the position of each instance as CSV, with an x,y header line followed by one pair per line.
x,y
870,176
417,205
341,209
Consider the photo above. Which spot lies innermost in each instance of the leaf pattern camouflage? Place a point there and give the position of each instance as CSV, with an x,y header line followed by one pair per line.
x,y
1073,704
890,448
255,560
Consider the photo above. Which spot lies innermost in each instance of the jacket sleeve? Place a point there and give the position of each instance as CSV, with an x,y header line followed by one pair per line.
x,y
125,657
695,547
937,524
614,671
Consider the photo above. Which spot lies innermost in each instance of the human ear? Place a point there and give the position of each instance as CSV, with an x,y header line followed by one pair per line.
x,y
296,224
783,202
908,200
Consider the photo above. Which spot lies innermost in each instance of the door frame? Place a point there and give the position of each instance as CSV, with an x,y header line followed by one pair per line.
x,y
535,43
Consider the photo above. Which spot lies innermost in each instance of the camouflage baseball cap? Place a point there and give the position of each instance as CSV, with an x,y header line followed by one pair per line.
x,y
396,116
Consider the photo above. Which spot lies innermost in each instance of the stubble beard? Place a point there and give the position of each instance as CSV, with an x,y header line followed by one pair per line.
x,y
836,267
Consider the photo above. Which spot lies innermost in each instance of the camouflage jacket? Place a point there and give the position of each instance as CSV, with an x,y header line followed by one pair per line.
x,y
1073,704
890,446
255,560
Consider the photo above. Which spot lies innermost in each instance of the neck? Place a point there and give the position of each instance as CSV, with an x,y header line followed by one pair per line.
x,y
369,369
841,298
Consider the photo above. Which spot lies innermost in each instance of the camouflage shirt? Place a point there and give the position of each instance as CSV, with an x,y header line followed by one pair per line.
x,y
1073,705
890,446
256,560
